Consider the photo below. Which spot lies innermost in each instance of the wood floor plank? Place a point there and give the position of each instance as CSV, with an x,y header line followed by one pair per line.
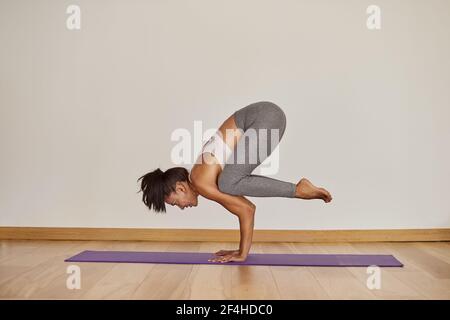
x,y
253,282
391,287
211,282
93,275
427,262
338,282
168,281
36,270
43,251
11,248
124,278
293,283
412,275
46,279
439,249
44,267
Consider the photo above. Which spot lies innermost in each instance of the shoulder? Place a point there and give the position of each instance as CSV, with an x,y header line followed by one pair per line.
x,y
204,178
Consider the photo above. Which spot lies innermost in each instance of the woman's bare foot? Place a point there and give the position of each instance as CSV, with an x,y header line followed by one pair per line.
x,y
306,190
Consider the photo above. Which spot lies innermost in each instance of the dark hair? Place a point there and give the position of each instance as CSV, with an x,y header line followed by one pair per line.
x,y
157,184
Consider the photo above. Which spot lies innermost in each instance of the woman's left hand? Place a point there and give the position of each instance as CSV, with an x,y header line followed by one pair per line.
x,y
228,258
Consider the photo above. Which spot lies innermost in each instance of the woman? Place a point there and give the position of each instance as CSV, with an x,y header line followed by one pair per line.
x,y
223,173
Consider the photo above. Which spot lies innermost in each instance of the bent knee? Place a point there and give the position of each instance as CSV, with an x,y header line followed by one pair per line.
x,y
276,115
226,184
274,108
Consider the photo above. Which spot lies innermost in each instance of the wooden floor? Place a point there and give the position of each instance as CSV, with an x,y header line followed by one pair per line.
x,y
36,270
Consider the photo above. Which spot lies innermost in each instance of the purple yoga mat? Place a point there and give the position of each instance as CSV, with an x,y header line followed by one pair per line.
x,y
262,259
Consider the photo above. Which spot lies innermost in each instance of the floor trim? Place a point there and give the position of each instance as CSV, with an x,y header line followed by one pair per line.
x,y
219,235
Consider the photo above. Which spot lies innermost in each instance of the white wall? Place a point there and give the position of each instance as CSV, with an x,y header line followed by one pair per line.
x,y
85,113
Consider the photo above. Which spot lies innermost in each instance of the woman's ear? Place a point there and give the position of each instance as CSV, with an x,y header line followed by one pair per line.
x,y
179,186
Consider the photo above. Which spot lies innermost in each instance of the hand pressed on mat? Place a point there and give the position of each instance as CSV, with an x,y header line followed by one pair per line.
x,y
228,258
224,252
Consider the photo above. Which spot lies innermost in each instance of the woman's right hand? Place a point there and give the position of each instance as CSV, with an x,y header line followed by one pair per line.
x,y
225,252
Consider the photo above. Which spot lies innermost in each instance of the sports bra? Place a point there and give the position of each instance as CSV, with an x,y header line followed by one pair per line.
x,y
218,148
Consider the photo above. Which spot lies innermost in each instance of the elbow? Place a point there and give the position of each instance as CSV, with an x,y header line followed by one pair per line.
x,y
250,210
247,216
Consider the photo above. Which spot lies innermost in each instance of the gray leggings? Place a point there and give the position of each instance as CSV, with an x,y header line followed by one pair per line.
x,y
236,177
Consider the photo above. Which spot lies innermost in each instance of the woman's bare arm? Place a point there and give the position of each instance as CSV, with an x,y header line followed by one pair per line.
x,y
204,178
243,209
240,206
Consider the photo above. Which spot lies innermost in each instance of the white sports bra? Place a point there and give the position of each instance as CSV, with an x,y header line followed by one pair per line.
x,y
218,148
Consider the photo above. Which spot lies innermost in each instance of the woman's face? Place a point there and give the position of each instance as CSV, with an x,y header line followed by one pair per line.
x,y
183,196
